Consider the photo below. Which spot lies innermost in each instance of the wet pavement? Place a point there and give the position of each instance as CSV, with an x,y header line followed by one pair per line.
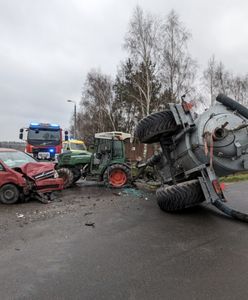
x,y
97,243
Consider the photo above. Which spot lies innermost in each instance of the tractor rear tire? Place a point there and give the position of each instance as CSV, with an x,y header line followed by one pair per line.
x,y
117,176
9,194
150,129
67,175
180,196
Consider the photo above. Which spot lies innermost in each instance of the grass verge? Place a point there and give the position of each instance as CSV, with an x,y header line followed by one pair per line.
x,y
235,178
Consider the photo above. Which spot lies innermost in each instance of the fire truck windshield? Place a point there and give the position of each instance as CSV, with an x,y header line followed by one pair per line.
x,y
43,137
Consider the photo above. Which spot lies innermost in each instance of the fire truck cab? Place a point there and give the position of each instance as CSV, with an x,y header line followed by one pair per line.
x,y
44,141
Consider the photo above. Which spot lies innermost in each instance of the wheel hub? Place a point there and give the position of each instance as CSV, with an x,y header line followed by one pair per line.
x,y
8,195
117,177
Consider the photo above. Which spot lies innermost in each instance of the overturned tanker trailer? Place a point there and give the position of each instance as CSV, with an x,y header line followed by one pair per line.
x,y
196,152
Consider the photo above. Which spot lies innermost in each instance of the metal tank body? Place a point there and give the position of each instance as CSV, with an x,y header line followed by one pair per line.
x,y
219,137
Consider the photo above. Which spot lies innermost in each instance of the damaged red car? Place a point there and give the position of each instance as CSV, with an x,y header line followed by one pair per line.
x,y
23,178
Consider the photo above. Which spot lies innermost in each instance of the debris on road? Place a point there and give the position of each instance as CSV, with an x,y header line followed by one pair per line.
x,y
117,194
19,215
88,213
92,224
134,192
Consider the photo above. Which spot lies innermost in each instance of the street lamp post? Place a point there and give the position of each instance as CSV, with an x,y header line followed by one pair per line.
x,y
75,116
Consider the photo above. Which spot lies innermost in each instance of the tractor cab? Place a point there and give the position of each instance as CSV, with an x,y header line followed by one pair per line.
x,y
109,149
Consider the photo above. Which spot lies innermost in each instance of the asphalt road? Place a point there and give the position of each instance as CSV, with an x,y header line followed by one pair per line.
x,y
132,251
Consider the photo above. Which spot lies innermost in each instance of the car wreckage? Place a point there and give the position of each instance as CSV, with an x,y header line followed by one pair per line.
x,y
23,178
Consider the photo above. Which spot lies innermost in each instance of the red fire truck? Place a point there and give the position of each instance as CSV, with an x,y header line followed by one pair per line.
x,y
44,141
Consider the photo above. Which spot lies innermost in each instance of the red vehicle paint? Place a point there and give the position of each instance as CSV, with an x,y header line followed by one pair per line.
x,y
44,140
21,177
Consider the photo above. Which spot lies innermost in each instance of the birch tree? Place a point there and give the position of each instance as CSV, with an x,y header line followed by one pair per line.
x,y
209,79
142,44
178,68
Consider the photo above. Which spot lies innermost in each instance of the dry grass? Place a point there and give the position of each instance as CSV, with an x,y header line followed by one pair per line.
x,y
235,178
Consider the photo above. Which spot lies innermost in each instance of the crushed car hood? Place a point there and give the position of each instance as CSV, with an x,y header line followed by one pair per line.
x,y
38,170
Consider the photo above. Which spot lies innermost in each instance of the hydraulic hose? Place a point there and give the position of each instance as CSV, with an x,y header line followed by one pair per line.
x,y
230,212
232,104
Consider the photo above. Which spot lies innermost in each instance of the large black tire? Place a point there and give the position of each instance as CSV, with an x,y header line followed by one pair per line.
x,y
180,196
117,176
9,194
67,175
150,129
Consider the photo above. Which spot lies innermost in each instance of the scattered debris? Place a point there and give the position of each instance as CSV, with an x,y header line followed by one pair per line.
x,y
117,194
88,213
92,224
133,192
19,215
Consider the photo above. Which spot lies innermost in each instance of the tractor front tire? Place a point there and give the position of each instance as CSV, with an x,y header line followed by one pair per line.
x,y
117,176
150,129
76,174
180,196
67,176
9,194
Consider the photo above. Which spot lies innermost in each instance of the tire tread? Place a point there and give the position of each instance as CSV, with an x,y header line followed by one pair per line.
x,y
150,128
180,196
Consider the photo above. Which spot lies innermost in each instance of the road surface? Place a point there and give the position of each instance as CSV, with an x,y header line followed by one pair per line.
x,y
96,243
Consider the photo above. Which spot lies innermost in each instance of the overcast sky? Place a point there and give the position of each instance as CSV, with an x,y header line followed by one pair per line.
x,y
48,46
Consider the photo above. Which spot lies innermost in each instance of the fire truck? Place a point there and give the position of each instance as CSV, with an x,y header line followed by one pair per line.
x,y
44,141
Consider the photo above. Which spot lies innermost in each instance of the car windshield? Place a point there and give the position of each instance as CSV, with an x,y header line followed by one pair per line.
x,y
77,146
15,158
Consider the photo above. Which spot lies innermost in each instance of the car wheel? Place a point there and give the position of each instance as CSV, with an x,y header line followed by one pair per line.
x,y
9,194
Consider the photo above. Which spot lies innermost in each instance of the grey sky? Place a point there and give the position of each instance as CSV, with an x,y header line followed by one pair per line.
x,y
48,46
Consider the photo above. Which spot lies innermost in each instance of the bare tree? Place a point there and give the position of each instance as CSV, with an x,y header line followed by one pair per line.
x,y
96,113
209,78
222,79
142,44
217,79
178,68
238,86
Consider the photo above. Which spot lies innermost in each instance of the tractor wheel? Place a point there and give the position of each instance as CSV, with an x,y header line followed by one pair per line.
x,y
76,175
117,176
67,176
9,194
180,196
153,126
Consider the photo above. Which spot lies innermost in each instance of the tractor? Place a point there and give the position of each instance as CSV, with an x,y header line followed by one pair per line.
x,y
106,163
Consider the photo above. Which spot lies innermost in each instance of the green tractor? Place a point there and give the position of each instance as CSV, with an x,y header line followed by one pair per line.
x,y
107,163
